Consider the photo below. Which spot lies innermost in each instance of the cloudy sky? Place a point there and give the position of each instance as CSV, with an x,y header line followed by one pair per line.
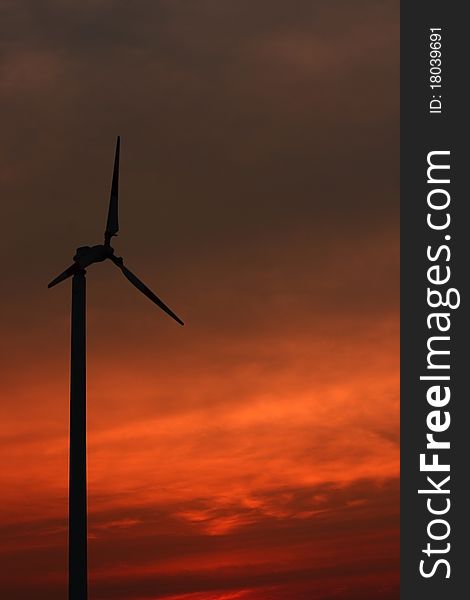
x,y
252,454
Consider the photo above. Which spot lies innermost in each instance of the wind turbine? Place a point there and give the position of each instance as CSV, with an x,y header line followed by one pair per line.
x,y
85,257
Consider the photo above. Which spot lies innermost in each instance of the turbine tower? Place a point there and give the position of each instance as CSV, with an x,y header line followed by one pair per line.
x,y
85,257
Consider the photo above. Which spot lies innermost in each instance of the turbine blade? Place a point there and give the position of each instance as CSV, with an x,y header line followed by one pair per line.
x,y
112,224
67,273
144,289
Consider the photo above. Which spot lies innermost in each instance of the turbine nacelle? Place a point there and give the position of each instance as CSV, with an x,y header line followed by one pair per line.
x,y
87,255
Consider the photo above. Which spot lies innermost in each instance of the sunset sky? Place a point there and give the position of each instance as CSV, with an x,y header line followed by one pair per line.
x,y
252,454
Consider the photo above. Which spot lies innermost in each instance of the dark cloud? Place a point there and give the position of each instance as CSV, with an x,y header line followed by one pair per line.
x,y
238,119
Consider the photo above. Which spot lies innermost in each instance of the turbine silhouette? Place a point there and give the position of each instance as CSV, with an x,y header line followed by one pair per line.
x,y
84,257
